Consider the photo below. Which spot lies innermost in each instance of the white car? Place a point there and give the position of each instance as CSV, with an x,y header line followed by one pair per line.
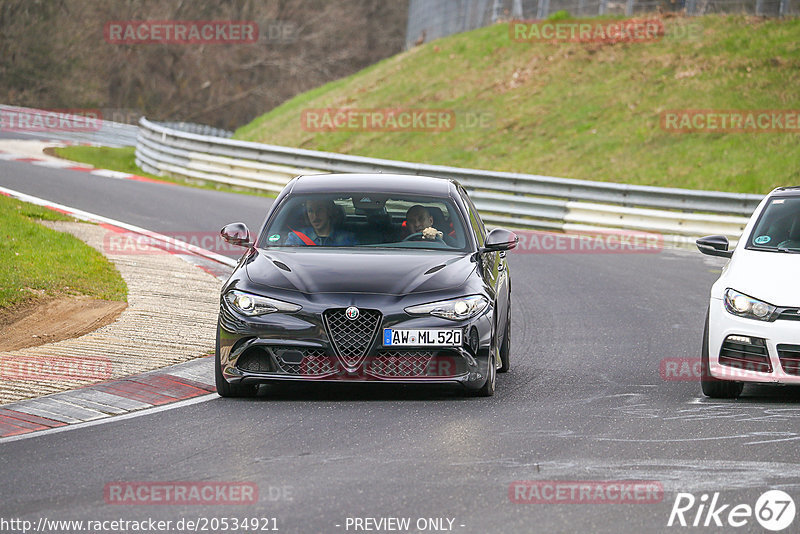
x,y
752,331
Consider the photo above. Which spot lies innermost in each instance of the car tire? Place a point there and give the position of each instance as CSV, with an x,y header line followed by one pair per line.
x,y
714,387
505,348
488,388
226,389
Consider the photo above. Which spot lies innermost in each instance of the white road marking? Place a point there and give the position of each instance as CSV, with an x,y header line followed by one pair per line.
x,y
92,217
112,419
58,164
111,174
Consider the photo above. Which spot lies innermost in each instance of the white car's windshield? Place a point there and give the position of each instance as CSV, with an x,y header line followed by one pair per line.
x,y
366,220
778,228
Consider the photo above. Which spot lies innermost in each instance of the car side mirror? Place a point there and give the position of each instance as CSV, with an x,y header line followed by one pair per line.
x,y
236,234
500,239
714,245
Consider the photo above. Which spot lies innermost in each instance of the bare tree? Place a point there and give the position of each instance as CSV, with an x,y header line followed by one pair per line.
x,y
54,54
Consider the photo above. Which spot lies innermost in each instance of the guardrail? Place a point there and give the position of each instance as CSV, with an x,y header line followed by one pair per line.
x,y
100,131
512,199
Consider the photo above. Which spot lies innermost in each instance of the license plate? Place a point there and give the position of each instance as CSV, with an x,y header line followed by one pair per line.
x,y
421,338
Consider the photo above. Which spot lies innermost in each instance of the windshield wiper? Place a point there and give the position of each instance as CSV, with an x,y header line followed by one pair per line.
x,y
788,250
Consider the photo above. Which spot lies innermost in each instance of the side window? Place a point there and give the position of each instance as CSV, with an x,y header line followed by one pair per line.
x,y
474,219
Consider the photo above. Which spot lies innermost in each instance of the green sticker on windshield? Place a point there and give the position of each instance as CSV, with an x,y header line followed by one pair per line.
x,y
762,239
274,237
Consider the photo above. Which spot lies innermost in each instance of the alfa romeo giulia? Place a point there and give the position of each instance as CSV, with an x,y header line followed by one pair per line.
x,y
361,277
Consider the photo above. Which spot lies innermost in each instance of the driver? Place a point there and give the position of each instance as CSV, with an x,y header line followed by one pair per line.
x,y
420,221
418,218
323,231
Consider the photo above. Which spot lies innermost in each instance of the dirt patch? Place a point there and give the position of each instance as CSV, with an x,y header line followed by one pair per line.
x,y
54,319
51,151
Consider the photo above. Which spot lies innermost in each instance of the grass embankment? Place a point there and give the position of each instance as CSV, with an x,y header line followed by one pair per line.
x,y
124,160
578,110
37,262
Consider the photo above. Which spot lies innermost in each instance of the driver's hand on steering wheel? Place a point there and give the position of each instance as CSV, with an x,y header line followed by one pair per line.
x,y
431,233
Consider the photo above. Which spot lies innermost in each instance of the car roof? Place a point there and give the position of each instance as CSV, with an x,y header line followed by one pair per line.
x,y
372,183
789,191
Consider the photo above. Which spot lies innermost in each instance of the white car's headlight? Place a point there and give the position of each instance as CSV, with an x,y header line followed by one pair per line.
x,y
249,304
745,306
454,309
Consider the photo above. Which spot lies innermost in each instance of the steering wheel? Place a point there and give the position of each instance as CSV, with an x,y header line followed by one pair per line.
x,y
419,237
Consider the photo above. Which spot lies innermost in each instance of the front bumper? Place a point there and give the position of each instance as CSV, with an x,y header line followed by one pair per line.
x,y
299,347
776,360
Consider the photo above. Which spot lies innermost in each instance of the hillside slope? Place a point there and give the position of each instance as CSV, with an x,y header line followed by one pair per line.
x,y
578,110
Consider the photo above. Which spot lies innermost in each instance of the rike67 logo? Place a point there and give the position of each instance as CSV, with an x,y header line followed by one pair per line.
x,y
774,510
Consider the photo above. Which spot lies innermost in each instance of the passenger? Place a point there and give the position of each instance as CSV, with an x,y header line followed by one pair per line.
x,y
323,231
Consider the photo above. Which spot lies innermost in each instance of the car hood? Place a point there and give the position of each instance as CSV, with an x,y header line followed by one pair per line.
x,y
768,276
378,272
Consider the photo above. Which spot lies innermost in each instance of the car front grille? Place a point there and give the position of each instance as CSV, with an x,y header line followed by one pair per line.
x,y
789,314
407,363
789,355
415,363
314,362
352,338
263,359
751,356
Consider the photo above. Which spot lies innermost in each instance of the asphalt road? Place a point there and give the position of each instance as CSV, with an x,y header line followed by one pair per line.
x,y
584,400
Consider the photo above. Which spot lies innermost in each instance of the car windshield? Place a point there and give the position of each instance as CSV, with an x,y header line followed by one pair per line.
x,y
778,227
366,220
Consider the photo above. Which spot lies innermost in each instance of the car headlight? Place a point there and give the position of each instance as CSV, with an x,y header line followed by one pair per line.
x,y
745,306
249,304
454,309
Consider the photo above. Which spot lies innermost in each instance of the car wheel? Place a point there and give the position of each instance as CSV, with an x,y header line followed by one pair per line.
x,y
225,389
714,387
505,348
488,387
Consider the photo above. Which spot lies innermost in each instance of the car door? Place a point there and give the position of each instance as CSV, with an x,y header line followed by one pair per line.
x,y
494,269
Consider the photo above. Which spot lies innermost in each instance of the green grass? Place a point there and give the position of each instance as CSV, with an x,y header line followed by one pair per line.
x,y
124,160
36,261
577,110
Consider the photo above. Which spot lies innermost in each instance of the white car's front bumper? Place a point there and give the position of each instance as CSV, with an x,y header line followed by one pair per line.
x,y
781,332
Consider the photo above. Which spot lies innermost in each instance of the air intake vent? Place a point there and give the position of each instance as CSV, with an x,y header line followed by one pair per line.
x,y
747,353
789,356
